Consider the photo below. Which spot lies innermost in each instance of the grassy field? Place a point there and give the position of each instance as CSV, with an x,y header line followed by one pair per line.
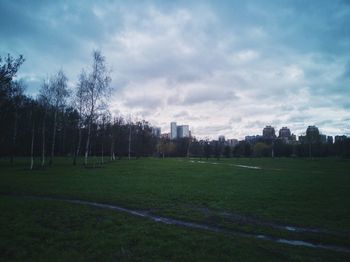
x,y
229,193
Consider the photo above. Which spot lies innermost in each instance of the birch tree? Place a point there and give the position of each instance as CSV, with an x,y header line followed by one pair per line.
x,y
97,92
17,100
45,101
80,105
59,94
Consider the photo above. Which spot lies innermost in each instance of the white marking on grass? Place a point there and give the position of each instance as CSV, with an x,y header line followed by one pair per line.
x,y
215,163
250,167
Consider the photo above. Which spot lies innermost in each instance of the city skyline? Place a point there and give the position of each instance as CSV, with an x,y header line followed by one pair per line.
x,y
266,132
225,68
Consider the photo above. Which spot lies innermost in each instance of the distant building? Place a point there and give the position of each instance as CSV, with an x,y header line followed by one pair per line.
x,y
252,139
179,131
312,132
222,139
284,132
269,132
338,139
183,131
165,136
286,136
232,142
312,136
302,139
156,131
173,130
329,140
293,138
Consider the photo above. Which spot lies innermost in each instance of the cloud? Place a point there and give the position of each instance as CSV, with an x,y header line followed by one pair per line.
x,y
205,94
222,67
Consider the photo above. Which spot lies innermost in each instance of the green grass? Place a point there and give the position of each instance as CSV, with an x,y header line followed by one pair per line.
x,y
302,192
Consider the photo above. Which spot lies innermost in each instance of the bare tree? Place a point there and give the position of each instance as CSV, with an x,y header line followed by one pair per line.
x,y
44,100
80,104
117,122
105,119
17,97
59,93
33,122
129,123
97,91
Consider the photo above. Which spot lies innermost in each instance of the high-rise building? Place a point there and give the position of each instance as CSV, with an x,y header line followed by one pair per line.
x,y
222,139
338,139
269,132
173,130
312,131
186,131
312,136
183,131
285,135
179,131
284,132
232,142
329,140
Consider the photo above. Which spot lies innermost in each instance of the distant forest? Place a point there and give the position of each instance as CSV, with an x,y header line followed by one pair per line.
x,y
78,124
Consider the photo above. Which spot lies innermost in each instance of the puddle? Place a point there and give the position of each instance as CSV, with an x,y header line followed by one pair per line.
x,y
182,223
308,244
250,167
290,228
215,163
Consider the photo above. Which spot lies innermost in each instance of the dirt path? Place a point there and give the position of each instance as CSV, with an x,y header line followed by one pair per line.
x,y
187,224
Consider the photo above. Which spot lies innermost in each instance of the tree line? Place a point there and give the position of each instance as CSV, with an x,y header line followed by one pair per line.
x,y
276,148
64,122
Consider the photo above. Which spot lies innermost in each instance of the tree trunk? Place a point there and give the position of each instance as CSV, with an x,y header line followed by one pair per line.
x,y
78,147
87,144
43,142
102,153
188,149
53,137
14,138
310,155
103,138
129,154
112,149
32,149
63,148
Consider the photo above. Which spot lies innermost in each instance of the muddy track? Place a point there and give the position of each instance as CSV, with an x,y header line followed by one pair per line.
x,y
188,224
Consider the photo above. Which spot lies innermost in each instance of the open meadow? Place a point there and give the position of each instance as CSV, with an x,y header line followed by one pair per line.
x,y
177,210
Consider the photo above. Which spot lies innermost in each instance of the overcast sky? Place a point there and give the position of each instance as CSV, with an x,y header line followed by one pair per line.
x,y
222,67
